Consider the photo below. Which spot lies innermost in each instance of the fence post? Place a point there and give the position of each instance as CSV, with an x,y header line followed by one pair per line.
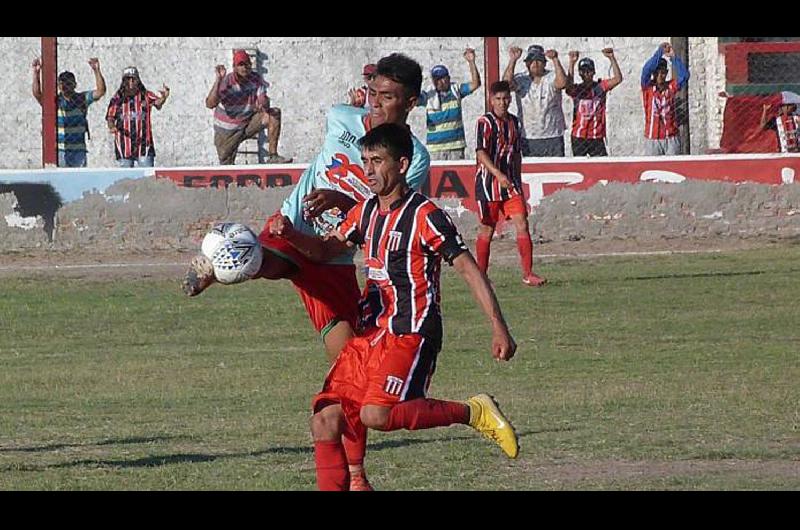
x,y
681,47
49,68
491,66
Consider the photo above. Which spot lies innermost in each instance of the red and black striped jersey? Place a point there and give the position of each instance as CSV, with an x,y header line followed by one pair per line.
x,y
403,250
589,109
659,111
133,135
501,140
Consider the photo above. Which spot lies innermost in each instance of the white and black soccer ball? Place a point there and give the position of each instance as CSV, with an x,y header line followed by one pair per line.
x,y
234,251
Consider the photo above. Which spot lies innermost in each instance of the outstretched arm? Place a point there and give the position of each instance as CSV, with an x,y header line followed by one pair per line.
x,y
617,79
475,76
651,64
514,53
503,345
561,76
212,99
312,247
681,73
36,89
99,82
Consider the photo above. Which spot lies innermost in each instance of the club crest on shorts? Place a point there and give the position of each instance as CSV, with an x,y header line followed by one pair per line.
x,y
393,386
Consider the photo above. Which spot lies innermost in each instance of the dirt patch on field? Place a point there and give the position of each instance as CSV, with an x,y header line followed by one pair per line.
x,y
151,227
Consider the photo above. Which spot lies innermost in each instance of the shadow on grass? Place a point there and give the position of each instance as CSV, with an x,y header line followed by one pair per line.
x,y
110,441
194,458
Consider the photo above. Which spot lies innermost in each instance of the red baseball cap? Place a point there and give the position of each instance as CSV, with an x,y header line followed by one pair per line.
x,y
240,56
369,69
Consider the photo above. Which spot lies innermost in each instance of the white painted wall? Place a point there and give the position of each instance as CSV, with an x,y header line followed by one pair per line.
x,y
307,75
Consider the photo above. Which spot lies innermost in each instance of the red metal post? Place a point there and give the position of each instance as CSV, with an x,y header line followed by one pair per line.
x,y
49,68
491,65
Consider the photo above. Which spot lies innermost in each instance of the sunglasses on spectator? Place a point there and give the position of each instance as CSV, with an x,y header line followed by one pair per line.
x,y
243,63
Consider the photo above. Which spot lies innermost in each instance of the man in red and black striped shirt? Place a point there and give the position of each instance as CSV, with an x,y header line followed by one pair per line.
x,y
128,118
589,104
498,181
381,377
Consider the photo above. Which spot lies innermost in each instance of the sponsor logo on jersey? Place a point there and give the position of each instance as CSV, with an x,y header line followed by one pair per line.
x,y
348,177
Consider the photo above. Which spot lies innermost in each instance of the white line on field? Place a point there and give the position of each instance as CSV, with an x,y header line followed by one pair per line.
x,y
86,266
183,264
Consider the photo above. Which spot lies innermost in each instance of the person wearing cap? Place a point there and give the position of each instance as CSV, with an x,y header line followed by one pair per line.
x,y
128,119
589,104
358,96
445,125
658,98
538,100
786,125
71,108
241,110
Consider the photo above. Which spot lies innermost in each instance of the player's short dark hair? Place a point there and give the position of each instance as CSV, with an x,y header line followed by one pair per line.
x,y
499,86
404,70
395,138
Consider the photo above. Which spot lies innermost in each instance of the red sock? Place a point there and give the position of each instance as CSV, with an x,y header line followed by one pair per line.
x,y
426,413
482,251
525,248
355,445
332,472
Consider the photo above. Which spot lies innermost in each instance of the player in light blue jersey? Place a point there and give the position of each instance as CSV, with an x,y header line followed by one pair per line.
x,y
331,185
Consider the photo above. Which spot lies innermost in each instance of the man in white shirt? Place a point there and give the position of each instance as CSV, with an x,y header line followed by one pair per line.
x,y
538,98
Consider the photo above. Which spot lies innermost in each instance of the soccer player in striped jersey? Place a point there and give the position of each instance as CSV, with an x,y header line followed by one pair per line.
x,y
381,377
589,104
498,181
658,98
333,183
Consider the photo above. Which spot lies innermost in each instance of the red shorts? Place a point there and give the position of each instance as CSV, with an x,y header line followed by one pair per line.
x,y
330,293
378,368
491,212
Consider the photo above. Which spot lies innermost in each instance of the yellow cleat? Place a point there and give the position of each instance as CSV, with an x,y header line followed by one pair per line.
x,y
486,418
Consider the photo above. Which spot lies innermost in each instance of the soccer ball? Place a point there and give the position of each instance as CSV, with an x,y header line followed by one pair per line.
x,y
234,251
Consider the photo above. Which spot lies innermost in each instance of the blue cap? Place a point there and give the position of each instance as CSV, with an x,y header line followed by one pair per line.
x,y
439,71
535,53
586,64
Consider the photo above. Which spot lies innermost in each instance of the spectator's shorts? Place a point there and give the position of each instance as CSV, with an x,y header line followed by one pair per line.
x,y
490,212
227,142
588,147
543,146
666,146
71,158
330,293
450,154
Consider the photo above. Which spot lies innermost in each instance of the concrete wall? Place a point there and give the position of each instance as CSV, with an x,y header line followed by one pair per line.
x,y
306,76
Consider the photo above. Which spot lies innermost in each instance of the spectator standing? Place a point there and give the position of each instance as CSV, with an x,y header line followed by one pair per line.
x,y
658,98
128,119
71,108
538,97
445,124
786,126
241,110
358,96
498,181
589,104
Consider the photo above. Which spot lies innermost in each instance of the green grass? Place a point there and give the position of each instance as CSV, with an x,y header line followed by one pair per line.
x,y
667,372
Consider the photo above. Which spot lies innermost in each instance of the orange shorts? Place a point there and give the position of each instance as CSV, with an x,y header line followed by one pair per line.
x,y
330,293
491,212
378,368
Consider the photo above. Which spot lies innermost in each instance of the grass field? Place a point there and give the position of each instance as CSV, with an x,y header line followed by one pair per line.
x,y
659,372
